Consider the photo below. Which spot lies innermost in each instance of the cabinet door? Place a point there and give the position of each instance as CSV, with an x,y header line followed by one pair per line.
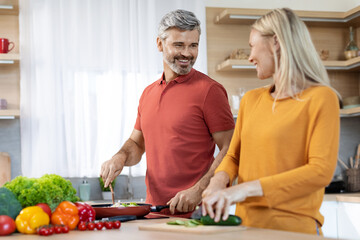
x,y
329,211
348,220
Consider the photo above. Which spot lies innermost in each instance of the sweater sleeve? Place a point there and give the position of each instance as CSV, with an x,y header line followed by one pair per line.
x,y
322,155
230,163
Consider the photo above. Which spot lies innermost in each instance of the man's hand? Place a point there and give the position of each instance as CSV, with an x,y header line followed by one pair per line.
x,y
111,169
217,183
129,155
186,200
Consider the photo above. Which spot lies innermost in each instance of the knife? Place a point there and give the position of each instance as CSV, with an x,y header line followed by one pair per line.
x,y
121,218
197,214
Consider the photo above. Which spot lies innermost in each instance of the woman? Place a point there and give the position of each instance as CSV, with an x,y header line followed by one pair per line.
x,y
285,144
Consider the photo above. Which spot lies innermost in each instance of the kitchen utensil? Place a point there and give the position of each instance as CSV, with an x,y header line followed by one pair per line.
x,y
5,170
121,218
112,194
342,163
197,213
201,229
105,210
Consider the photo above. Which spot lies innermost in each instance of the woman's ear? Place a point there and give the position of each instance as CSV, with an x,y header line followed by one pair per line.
x,y
276,43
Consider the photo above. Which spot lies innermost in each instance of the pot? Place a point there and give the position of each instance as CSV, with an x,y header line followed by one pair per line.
x,y
105,210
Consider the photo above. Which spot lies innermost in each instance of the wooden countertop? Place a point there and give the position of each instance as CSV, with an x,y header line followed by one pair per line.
x,y
343,197
130,230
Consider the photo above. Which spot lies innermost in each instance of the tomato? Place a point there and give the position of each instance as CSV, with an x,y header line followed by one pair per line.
x,y
91,226
108,225
57,229
51,229
99,225
7,225
44,231
81,226
45,207
65,229
116,224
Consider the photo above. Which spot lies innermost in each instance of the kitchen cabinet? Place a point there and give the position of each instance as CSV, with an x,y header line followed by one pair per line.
x,y
9,63
342,215
229,29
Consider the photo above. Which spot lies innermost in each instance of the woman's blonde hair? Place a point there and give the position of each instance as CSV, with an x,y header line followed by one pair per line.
x,y
298,65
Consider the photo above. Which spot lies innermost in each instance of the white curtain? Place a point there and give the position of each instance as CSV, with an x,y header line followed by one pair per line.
x,y
84,65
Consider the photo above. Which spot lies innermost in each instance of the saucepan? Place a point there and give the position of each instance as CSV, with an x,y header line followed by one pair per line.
x,y
106,211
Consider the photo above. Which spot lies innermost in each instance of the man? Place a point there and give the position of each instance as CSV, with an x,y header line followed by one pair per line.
x,y
180,118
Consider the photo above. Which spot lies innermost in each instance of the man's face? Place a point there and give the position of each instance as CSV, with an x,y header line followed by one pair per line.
x,y
180,49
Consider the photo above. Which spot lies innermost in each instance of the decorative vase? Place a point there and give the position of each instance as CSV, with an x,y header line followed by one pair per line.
x,y
351,50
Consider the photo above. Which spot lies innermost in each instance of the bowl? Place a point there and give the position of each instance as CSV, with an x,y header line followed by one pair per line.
x,y
351,102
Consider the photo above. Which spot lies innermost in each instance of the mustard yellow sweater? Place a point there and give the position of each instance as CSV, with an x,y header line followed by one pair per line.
x,y
291,150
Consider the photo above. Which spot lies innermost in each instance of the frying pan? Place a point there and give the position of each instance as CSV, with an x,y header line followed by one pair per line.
x,y
105,210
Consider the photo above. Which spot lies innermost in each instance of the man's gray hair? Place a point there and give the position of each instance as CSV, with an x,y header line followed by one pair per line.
x,y
181,19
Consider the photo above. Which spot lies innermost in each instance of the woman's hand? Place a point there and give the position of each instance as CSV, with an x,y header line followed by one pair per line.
x,y
218,203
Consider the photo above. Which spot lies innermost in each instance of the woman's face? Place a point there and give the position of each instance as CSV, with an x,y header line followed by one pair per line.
x,y
261,54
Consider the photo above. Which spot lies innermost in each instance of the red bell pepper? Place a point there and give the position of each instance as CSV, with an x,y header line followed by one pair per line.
x,y
86,212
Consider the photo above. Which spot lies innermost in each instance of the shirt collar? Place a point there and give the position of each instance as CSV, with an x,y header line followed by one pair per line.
x,y
180,78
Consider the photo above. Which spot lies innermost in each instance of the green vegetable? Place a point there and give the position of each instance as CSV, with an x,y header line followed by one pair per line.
x,y
132,204
9,205
231,221
107,189
50,188
189,223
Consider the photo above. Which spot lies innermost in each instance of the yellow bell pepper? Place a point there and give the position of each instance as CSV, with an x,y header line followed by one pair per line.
x,y
30,218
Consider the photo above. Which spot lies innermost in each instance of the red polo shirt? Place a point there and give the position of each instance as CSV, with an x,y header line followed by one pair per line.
x,y
177,120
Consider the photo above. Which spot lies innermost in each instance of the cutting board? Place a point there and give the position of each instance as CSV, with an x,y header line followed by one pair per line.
x,y
5,169
197,230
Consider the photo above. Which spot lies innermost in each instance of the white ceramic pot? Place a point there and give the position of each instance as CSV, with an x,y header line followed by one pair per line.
x,y
106,195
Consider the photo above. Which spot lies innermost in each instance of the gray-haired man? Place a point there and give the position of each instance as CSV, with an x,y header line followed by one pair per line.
x,y
180,118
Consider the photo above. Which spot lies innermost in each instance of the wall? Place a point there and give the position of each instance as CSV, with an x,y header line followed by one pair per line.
x,y
318,5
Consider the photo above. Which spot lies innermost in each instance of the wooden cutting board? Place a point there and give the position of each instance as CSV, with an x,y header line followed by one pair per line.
x,y
198,230
5,169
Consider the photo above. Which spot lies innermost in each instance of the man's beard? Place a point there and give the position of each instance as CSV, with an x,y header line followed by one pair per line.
x,y
178,69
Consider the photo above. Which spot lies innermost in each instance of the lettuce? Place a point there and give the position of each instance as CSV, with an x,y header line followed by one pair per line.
x,y
50,188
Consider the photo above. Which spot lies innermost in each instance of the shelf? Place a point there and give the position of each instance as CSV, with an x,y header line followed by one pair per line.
x,y
350,112
244,65
9,58
7,7
235,65
311,18
9,113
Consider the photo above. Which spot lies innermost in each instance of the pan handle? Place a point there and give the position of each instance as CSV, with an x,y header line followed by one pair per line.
x,y
158,208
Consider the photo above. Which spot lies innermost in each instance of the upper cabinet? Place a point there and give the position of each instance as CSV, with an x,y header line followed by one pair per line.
x,y
9,62
229,29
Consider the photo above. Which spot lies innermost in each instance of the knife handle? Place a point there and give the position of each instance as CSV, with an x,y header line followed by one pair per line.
x,y
158,208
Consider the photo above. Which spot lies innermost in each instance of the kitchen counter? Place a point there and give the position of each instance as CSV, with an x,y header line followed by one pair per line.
x,y
130,230
343,197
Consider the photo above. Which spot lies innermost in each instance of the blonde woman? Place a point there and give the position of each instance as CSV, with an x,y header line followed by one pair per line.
x,y
286,139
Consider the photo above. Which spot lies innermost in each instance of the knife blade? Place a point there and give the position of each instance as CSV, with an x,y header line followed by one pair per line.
x,y
197,214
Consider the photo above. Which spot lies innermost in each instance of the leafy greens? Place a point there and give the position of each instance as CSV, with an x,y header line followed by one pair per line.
x,y
50,188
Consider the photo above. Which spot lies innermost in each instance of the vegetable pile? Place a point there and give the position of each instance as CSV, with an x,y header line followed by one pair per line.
x,y
9,205
50,188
